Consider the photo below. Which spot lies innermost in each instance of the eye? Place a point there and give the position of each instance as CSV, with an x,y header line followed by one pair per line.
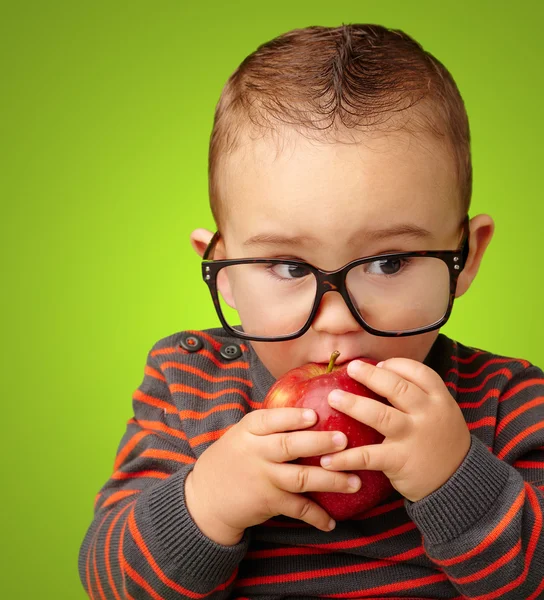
x,y
288,272
387,266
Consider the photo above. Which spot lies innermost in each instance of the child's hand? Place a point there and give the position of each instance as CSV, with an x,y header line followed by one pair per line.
x,y
426,436
244,477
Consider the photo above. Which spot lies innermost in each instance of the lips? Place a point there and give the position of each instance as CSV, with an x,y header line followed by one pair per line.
x,y
344,358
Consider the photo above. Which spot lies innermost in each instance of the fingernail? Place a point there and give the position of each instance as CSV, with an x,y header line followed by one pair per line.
x,y
326,461
339,439
354,366
354,482
309,415
380,364
332,524
335,397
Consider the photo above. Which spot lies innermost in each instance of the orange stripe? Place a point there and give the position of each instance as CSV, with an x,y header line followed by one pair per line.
x,y
152,401
535,535
135,576
154,373
128,447
383,597
536,594
343,570
89,553
492,361
521,409
394,587
491,537
107,548
193,414
169,350
529,464
121,557
493,393
380,509
95,568
521,386
136,535
521,436
209,436
187,389
478,388
365,540
501,562
202,374
167,455
304,550
159,426
485,422
120,475
119,496
469,359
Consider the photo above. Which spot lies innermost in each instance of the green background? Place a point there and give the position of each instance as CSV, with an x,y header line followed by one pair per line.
x,y
107,109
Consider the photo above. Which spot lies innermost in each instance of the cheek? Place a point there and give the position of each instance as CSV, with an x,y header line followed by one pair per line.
x,y
279,357
225,287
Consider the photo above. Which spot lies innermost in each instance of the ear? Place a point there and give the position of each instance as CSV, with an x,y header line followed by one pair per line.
x,y
482,228
200,238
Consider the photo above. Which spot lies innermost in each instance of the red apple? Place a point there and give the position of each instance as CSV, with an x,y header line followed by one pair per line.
x,y
308,386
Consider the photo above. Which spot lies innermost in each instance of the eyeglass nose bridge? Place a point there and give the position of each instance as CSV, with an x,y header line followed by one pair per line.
x,y
334,281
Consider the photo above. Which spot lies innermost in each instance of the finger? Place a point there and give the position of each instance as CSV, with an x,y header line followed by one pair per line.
x,y
401,393
285,447
417,373
374,457
387,420
274,420
299,479
301,507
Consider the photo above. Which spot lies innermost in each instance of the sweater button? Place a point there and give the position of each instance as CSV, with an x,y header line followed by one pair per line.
x,y
191,343
230,351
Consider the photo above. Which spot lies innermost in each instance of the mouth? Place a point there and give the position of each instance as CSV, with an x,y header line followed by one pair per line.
x,y
346,358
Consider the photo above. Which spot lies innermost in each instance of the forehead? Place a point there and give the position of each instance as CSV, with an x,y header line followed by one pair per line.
x,y
330,190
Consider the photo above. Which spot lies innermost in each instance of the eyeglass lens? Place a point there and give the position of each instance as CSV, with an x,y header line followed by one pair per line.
x,y
389,294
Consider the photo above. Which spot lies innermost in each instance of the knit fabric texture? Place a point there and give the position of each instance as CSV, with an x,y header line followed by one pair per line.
x,y
480,535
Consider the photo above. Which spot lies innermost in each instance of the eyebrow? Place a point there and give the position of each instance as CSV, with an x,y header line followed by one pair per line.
x,y
404,230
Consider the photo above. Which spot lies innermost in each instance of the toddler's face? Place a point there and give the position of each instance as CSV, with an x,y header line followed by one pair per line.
x,y
328,199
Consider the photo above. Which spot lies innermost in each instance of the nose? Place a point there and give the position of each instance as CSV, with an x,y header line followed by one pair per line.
x,y
333,315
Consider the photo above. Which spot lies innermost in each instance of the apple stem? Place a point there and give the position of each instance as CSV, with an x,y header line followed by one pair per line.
x,y
334,356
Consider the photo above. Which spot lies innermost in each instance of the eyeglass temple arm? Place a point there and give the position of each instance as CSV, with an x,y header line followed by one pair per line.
x,y
466,235
211,246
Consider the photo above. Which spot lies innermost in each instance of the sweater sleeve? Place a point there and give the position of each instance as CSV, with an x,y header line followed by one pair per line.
x,y
142,542
484,526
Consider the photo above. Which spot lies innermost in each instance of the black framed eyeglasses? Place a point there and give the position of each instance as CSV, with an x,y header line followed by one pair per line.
x,y
389,295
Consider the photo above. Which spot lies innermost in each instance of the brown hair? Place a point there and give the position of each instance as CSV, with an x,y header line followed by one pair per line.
x,y
351,76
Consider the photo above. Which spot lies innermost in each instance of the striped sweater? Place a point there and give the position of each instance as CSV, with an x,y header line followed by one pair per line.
x,y
479,536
